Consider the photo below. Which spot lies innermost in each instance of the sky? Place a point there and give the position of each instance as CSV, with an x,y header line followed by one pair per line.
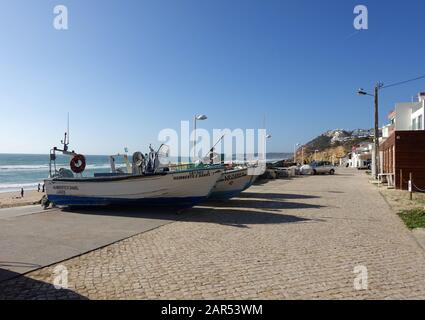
x,y
127,69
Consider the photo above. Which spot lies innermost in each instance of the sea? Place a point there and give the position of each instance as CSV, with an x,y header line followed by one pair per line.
x,y
28,170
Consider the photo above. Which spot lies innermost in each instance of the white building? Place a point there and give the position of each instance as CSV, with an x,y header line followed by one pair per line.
x,y
361,155
406,116
401,145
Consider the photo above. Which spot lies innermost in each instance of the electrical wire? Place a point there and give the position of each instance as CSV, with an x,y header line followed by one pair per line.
x,y
403,82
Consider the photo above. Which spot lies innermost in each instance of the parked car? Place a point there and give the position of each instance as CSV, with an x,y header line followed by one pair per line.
x,y
318,167
366,165
306,169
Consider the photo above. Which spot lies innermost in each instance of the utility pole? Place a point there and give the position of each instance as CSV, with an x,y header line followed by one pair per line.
x,y
378,87
376,95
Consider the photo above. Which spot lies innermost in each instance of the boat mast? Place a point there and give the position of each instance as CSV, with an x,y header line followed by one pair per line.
x,y
65,142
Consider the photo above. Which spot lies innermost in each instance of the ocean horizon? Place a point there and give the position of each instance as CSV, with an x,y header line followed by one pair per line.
x,y
28,170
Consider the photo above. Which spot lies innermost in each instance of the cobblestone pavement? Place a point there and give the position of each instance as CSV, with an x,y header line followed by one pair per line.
x,y
286,239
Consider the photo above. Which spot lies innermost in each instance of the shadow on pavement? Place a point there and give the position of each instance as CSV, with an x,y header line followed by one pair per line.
x,y
240,218
258,204
20,287
233,212
8,264
262,182
168,213
282,196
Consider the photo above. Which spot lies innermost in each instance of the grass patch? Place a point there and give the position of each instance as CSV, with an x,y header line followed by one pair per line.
x,y
421,201
414,218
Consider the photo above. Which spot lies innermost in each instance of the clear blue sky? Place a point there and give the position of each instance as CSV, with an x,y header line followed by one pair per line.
x,y
127,69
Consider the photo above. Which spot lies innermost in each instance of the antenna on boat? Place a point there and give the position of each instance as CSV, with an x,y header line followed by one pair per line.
x,y
212,149
68,127
65,141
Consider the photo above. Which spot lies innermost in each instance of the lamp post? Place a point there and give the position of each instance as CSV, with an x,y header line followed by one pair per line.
x,y
302,155
295,152
315,155
196,118
362,92
269,136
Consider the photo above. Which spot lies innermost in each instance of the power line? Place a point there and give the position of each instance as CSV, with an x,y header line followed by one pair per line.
x,y
403,82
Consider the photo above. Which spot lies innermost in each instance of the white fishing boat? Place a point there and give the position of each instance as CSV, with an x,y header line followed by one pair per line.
x,y
177,189
251,181
148,184
232,183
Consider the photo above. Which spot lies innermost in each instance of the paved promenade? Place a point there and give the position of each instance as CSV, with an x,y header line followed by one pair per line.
x,y
31,238
286,239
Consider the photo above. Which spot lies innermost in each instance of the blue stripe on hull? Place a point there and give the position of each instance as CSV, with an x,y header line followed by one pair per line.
x,y
63,200
249,184
224,195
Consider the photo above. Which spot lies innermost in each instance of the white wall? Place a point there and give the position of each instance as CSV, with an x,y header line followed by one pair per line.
x,y
403,120
419,111
406,112
386,131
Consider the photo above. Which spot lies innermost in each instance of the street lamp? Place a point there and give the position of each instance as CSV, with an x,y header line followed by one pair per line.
x,y
196,118
362,92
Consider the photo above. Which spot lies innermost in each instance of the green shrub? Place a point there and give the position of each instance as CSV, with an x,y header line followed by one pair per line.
x,y
414,218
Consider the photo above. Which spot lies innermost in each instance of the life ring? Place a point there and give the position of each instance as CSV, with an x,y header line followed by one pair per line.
x,y
78,163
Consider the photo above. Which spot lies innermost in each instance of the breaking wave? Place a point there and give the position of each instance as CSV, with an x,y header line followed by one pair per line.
x,y
45,167
10,187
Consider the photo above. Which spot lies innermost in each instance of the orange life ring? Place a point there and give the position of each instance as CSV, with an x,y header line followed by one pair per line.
x,y
78,163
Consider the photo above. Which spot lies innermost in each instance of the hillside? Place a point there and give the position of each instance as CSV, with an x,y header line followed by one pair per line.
x,y
334,144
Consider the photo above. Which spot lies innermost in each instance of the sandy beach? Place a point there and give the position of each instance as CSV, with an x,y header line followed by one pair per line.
x,y
13,199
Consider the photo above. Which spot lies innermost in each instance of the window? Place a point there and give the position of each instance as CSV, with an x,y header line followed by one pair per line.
x,y
414,124
420,122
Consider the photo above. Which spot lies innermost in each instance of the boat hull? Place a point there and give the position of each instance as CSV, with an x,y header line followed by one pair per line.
x,y
251,182
175,189
231,184
179,202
